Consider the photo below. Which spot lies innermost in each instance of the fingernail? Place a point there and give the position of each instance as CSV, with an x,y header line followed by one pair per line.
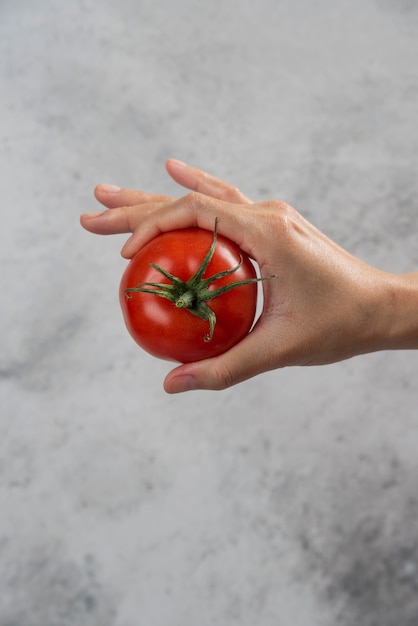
x,y
109,188
94,214
125,248
182,383
179,163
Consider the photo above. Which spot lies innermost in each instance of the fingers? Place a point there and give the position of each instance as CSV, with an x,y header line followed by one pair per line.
x,y
124,219
194,210
247,359
192,178
129,207
145,221
150,219
112,197
202,182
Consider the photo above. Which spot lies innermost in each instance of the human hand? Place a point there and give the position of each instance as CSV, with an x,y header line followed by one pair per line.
x,y
322,306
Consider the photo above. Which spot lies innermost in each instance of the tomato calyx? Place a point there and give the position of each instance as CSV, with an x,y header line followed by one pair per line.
x,y
194,293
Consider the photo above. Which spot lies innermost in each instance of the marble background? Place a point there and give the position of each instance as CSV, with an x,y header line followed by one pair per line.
x,y
291,500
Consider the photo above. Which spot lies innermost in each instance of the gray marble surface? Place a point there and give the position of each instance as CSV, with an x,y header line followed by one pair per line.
x,y
290,500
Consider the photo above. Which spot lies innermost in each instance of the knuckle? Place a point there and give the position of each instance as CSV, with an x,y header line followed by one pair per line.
x,y
231,193
196,202
279,207
195,197
283,218
222,377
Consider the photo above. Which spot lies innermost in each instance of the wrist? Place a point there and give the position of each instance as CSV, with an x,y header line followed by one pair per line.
x,y
398,309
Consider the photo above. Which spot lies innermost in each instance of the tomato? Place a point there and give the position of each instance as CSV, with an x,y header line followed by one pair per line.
x,y
173,326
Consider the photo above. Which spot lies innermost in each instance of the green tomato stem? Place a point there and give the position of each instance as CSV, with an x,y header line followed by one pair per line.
x,y
186,300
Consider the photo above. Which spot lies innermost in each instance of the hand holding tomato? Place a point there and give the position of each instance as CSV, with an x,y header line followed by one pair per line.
x,y
323,306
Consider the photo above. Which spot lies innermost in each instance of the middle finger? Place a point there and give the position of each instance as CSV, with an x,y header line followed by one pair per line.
x,y
114,197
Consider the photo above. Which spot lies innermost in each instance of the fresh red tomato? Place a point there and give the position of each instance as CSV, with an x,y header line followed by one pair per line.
x,y
177,297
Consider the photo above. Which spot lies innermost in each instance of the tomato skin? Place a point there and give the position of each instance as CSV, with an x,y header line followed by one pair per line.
x,y
174,334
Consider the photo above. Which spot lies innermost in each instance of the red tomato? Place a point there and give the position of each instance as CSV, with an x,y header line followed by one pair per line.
x,y
169,332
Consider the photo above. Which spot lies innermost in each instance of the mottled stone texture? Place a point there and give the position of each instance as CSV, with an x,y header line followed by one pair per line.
x,y
290,500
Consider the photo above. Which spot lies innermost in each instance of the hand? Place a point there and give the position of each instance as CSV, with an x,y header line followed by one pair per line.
x,y
323,306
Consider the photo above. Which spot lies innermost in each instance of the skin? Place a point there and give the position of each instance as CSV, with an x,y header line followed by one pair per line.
x,y
324,306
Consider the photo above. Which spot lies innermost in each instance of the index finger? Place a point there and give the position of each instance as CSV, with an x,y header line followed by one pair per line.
x,y
123,219
196,210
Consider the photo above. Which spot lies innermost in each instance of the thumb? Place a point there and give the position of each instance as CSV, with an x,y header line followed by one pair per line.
x,y
249,357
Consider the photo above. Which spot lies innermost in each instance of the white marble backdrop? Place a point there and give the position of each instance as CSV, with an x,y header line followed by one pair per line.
x,y
290,500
